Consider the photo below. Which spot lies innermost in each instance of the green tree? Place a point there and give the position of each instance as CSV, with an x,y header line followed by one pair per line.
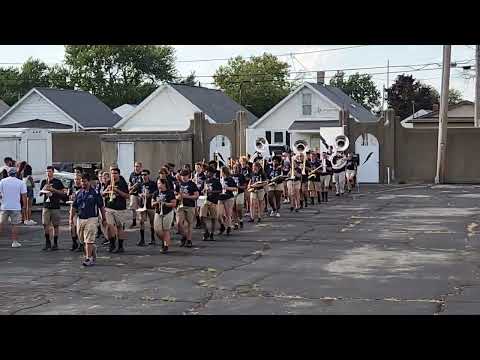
x,y
258,83
189,80
10,85
454,96
359,87
120,74
407,94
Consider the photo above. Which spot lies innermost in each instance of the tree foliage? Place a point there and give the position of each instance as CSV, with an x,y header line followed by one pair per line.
x,y
359,87
119,74
258,83
407,95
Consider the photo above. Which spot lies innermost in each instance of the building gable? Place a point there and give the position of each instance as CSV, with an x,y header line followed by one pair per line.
x,y
164,110
290,109
35,106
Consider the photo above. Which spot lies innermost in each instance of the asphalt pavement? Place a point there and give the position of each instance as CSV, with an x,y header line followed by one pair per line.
x,y
399,249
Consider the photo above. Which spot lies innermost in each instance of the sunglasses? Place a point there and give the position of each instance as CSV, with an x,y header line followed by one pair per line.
x,y
144,174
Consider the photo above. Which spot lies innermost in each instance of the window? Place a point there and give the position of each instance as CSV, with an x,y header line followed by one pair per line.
x,y
268,135
278,137
307,104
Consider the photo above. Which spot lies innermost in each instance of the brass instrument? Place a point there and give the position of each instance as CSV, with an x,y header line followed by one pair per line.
x,y
312,173
341,144
300,147
46,192
112,187
256,186
144,195
304,165
215,157
134,188
275,180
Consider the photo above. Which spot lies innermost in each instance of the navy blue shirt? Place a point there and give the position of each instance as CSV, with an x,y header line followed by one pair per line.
x,y
87,203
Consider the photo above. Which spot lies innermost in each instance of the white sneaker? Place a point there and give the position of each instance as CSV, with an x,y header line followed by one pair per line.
x,y
277,214
272,214
286,201
16,244
33,222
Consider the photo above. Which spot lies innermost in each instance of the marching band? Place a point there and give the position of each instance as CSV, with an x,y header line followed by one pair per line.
x,y
216,196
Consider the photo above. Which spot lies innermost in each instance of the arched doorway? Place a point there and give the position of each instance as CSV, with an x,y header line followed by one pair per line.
x,y
222,145
367,147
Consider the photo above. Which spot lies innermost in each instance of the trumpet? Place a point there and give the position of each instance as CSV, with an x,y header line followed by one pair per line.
x,y
112,195
46,192
134,188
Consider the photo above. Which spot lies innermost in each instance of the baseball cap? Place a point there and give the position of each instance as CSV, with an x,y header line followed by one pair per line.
x,y
12,171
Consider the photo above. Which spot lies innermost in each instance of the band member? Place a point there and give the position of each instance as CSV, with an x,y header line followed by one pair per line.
x,y
351,172
275,187
116,195
134,183
77,185
257,192
226,201
187,194
14,194
246,172
208,212
163,201
239,199
314,179
325,176
85,208
285,172
54,192
103,183
199,179
294,184
339,174
146,191
305,164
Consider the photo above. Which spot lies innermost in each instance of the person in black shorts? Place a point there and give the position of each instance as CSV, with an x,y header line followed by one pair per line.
x,y
208,211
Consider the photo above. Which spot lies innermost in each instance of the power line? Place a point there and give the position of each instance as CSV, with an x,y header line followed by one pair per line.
x,y
278,55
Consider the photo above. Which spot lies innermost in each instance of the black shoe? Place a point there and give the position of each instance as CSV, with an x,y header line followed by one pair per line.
x,y
183,242
164,249
106,242
251,220
48,246
211,237
312,202
81,248
229,230
235,227
291,209
74,246
241,224
258,221
141,243
296,210
206,235
111,245
301,204
189,244
152,242
55,247
306,203
222,229
337,194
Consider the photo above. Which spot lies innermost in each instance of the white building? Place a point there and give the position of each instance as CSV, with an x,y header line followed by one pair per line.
x,y
313,110
171,108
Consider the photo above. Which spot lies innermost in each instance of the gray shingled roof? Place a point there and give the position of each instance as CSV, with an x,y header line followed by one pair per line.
x,y
82,106
313,125
218,106
3,107
345,102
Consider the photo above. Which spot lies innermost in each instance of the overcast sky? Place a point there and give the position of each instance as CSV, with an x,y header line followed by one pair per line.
x,y
355,57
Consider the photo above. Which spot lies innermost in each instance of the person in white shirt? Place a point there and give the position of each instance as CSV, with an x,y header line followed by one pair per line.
x,y
12,191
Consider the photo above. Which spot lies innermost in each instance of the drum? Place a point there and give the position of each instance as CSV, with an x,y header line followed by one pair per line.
x,y
201,200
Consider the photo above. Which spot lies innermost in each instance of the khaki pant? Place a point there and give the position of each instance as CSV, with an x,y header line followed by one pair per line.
x,y
339,182
87,230
14,215
257,195
325,182
351,173
162,223
239,200
276,187
134,202
314,185
150,214
117,218
305,187
293,186
51,217
208,210
186,214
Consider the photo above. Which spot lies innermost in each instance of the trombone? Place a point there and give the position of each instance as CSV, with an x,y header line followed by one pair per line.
x,y
144,195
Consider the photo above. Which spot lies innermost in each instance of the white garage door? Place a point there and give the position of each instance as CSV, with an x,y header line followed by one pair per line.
x,y
368,148
126,158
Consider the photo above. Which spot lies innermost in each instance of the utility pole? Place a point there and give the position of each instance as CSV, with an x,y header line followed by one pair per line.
x,y
477,86
443,117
